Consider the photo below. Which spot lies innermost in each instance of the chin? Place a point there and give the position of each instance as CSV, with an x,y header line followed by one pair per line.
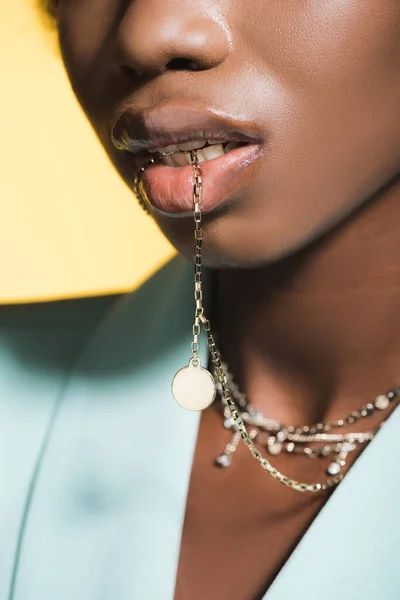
x,y
234,242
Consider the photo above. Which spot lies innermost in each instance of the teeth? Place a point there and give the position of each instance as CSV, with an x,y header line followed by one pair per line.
x,y
169,161
191,145
179,156
213,151
187,146
166,150
180,159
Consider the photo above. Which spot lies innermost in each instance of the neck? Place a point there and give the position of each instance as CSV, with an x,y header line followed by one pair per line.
x,y
318,335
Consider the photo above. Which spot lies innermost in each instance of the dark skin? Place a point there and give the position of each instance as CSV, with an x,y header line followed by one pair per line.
x,y
311,240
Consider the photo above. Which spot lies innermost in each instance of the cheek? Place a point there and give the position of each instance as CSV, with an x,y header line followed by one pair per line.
x,y
84,27
302,39
334,118
85,31
330,54
327,88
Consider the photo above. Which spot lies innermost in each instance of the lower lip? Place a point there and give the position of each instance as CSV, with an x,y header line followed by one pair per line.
x,y
170,189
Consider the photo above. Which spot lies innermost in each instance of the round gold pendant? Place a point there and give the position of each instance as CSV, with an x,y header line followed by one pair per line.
x,y
193,387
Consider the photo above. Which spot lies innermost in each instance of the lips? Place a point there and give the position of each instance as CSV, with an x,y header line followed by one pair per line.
x,y
170,188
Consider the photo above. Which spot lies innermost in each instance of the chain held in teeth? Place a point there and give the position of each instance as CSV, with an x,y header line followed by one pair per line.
x,y
193,386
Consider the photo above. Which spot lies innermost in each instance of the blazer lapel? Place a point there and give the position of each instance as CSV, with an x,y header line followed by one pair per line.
x,y
107,516
351,549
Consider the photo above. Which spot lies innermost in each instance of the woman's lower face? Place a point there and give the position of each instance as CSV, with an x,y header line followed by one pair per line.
x,y
315,82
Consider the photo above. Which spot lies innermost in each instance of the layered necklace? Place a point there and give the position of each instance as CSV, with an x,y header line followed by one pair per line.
x,y
321,440
195,388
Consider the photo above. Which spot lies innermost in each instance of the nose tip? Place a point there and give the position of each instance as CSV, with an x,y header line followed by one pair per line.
x,y
154,37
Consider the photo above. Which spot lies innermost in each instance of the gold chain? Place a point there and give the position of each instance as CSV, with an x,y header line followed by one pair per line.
x,y
200,319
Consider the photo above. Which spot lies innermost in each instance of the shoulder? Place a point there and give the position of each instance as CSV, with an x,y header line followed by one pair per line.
x,y
145,322
50,331
55,334
159,298
80,384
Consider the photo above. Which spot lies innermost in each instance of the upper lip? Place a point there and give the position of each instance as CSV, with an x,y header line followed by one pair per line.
x,y
176,123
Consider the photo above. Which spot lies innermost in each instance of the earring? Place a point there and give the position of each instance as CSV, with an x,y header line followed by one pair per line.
x,y
138,189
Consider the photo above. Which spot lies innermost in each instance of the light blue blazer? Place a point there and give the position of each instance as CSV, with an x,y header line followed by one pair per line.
x,y
95,458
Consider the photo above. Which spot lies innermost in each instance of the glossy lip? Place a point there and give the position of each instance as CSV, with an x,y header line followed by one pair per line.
x,y
169,190
174,123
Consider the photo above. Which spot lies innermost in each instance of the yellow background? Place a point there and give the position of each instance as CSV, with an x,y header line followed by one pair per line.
x,y
68,226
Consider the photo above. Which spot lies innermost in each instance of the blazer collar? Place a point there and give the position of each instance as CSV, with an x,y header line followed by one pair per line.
x,y
350,550
107,516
